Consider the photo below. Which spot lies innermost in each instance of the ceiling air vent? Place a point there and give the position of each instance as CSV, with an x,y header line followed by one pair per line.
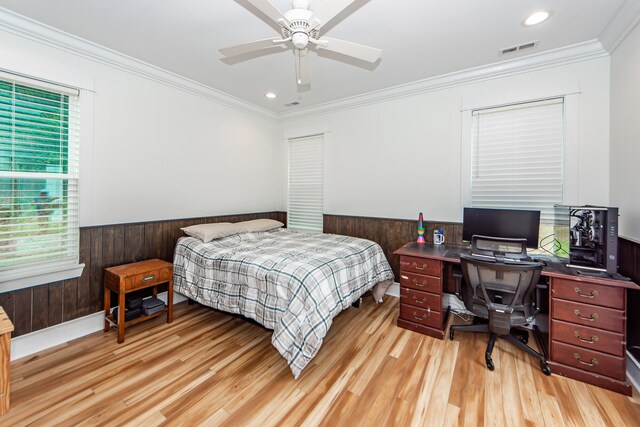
x,y
513,49
292,104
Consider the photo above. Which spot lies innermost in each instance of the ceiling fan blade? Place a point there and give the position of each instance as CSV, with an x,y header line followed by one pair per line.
x,y
302,66
266,7
355,50
248,47
328,10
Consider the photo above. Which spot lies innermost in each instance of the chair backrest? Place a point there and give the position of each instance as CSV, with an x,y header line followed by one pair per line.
x,y
499,247
505,287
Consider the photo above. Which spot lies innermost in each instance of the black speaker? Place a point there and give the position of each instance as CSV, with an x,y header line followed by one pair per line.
x,y
128,314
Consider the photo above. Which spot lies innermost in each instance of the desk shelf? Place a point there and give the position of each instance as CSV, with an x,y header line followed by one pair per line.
x,y
135,321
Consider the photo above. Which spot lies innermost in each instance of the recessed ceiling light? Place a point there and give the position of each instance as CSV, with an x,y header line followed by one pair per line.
x,y
271,95
537,18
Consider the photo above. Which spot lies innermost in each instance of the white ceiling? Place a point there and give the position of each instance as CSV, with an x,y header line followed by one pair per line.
x,y
420,39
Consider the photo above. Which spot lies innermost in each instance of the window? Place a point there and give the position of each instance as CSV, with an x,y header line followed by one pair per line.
x,y
306,176
39,138
517,158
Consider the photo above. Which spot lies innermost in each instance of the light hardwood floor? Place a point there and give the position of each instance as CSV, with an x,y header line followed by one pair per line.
x,y
208,368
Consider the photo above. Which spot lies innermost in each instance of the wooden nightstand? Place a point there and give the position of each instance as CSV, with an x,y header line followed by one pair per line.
x,y
6,327
133,277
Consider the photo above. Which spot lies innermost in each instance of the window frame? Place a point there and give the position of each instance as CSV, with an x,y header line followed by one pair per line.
x,y
60,268
570,155
291,141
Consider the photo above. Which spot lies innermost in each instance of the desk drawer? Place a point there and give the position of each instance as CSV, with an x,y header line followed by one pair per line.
x,y
421,316
589,338
420,282
420,299
588,360
588,293
588,315
149,278
431,267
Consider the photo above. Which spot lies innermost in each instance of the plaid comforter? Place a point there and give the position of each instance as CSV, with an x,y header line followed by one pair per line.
x,y
294,283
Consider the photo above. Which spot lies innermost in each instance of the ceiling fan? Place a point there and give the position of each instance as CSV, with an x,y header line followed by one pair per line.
x,y
301,27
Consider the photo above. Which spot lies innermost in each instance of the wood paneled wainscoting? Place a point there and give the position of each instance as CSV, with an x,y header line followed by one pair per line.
x,y
390,234
629,265
39,307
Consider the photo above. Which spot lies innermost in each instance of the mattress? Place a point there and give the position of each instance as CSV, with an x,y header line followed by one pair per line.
x,y
293,283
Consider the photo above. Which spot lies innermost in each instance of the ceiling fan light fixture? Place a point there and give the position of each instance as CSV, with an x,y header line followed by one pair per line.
x,y
271,95
300,40
537,18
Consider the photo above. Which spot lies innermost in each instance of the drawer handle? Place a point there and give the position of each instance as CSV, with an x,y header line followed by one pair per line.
x,y
415,316
415,265
594,339
593,362
421,301
594,316
421,284
148,278
593,294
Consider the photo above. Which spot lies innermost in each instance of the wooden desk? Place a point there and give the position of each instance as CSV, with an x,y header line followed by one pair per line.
x,y
6,327
587,315
133,277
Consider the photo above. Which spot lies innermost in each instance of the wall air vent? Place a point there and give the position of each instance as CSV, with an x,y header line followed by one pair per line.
x,y
513,49
292,104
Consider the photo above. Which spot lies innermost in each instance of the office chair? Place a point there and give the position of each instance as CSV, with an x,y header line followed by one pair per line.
x,y
501,291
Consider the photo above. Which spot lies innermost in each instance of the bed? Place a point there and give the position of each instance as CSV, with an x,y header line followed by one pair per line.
x,y
293,283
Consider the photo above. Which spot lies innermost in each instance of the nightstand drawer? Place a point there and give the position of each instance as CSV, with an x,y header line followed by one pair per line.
x,y
588,293
588,315
421,316
420,299
589,338
430,267
147,279
588,360
420,282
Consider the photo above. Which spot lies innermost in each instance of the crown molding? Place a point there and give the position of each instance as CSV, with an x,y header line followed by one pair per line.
x,y
552,58
622,23
30,29
626,18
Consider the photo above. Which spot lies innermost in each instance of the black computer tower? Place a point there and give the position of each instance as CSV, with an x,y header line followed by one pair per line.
x,y
593,239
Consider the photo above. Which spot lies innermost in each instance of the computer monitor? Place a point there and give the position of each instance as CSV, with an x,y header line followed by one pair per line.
x,y
509,223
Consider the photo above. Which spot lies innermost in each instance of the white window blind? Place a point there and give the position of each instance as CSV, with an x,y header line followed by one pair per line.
x,y
306,166
517,157
39,138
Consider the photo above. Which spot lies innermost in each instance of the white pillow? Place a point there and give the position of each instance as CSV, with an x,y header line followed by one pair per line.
x,y
259,225
208,232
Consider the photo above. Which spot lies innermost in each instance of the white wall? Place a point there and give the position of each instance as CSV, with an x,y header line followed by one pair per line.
x,y
158,152
150,151
397,157
625,133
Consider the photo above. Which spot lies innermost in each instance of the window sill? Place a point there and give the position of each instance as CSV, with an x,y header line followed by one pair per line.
x,y
41,277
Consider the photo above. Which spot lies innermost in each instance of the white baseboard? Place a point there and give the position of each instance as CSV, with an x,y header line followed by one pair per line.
x,y
394,290
633,371
26,345
450,300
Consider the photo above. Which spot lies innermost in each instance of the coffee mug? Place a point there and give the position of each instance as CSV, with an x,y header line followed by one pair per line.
x,y
438,238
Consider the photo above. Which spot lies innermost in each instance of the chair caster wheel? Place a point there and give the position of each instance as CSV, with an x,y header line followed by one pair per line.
x,y
545,368
451,334
490,364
